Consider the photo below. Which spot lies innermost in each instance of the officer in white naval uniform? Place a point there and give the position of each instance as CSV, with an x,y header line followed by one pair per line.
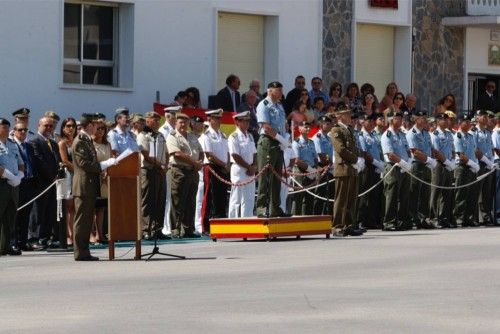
x,y
243,152
167,128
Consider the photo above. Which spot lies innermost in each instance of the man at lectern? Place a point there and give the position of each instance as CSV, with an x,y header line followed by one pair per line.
x,y
86,185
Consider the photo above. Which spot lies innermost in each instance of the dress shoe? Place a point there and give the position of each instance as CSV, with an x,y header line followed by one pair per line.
x,y
389,227
176,236
88,258
38,246
53,244
12,250
162,236
285,215
425,225
191,235
352,232
147,236
27,247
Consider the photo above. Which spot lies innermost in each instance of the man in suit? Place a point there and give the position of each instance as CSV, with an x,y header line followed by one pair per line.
x,y
251,106
487,99
294,94
27,190
255,87
46,160
348,164
228,98
86,185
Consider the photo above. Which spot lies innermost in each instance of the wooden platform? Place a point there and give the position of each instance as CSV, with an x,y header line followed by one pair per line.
x,y
269,228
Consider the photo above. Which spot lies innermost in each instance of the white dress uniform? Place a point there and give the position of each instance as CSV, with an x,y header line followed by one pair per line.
x,y
288,154
241,199
199,194
165,130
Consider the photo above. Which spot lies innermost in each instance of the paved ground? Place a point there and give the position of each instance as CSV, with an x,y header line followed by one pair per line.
x,y
405,282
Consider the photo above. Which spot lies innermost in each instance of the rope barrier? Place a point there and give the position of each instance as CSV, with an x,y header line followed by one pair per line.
x,y
37,197
479,178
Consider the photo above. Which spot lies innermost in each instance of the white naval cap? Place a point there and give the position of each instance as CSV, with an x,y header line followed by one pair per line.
x,y
172,109
214,113
245,115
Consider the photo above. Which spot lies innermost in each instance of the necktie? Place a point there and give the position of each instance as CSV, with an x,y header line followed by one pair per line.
x,y
50,145
233,100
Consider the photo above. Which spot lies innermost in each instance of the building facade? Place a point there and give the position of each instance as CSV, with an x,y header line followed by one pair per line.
x,y
94,56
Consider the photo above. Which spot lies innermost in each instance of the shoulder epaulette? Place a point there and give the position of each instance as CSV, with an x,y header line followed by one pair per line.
x,y
413,130
114,130
206,132
234,134
436,133
266,102
11,140
459,135
171,133
389,134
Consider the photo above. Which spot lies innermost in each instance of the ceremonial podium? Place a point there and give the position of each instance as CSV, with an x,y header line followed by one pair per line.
x,y
124,208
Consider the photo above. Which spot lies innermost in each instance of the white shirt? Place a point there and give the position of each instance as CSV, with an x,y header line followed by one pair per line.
x,y
216,143
243,145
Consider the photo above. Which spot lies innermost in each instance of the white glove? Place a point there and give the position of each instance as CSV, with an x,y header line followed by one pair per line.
x,y
12,179
107,163
378,164
20,175
474,167
359,165
405,167
431,163
488,162
450,165
282,141
311,170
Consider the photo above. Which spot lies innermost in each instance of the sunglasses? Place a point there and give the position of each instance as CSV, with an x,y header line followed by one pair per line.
x,y
22,130
70,126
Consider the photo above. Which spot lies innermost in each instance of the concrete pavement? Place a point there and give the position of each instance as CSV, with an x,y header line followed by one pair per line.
x,y
443,281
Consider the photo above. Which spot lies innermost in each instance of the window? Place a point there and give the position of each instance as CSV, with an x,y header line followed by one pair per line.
x,y
90,44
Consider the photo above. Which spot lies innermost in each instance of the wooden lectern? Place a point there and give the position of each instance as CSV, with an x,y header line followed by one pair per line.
x,y
124,203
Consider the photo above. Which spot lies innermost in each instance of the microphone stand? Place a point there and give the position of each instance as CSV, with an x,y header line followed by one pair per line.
x,y
156,249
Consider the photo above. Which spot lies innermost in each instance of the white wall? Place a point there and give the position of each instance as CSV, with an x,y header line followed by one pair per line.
x,y
477,43
174,47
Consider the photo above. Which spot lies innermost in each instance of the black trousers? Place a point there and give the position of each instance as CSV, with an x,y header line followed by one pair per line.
x,y
27,191
43,214
216,200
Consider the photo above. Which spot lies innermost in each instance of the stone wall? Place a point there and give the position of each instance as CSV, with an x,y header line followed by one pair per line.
x,y
337,37
438,52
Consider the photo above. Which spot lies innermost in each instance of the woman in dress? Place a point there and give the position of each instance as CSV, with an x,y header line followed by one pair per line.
x,y
390,92
335,92
352,97
447,102
103,150
67,135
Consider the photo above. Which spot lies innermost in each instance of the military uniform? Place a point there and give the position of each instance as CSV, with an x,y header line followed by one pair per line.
x,y
86,188
484,189
215,201
369,212
270,152
11,164
165,130
152,182
442,175
324,149
419,202
397,183
346,175
122,140
241,199
302,202
289,161
184,182
465,202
